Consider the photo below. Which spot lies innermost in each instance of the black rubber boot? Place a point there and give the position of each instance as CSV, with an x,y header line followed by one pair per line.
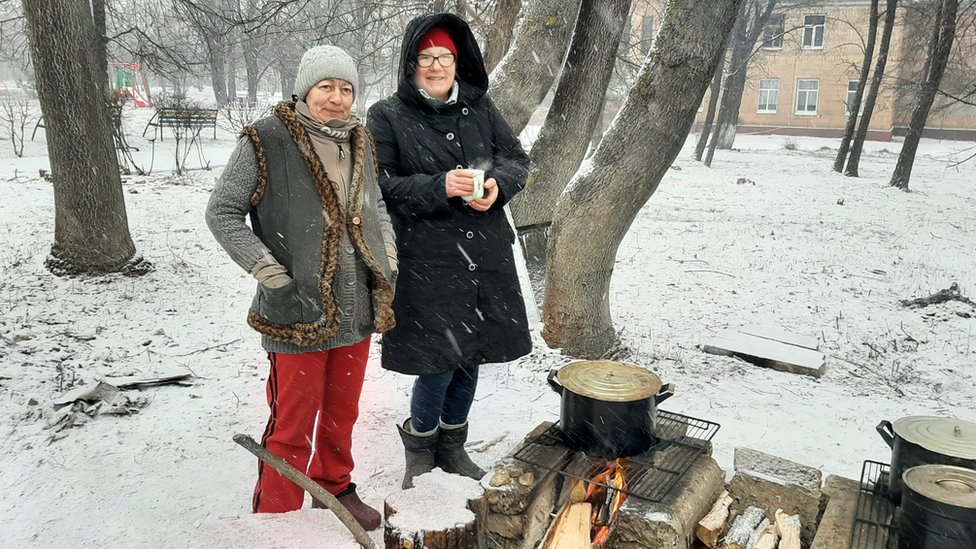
x,y
419,452
450,455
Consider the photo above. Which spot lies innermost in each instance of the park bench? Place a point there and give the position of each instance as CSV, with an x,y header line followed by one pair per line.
x,y
182,117
115,111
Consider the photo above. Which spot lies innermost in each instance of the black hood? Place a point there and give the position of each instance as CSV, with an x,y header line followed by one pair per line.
x,y
470,64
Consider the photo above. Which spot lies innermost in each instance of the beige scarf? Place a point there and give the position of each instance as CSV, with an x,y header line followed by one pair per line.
x,y
332,141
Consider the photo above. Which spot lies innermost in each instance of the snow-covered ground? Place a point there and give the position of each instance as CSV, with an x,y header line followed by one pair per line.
x,y
798,247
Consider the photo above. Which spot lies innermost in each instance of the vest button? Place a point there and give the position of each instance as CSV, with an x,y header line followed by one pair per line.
x,y
459,167
464,111
351,281
469,234
450,136
350,250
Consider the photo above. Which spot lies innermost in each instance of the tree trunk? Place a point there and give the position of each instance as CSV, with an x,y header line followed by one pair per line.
x,y
854,160
733,49
942,38
603,199
706,130
753,21
845,142
523,78
101,47
231,73
91,232
218,76
251,69
564,138
500,33
287,72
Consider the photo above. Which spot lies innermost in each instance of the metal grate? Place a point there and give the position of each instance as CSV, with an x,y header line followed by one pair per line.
x,y
874,514
651,475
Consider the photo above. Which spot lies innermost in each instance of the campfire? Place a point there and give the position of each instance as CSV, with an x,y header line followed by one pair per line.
x,y
587,516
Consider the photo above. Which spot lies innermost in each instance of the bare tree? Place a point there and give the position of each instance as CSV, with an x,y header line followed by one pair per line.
x,y
749,26
880,65
855,105
524,76
939,49
569,125
91,232
604,197
16,115
713,92
499,35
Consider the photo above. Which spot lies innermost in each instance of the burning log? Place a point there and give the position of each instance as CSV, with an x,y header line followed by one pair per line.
x,y
601,496
743,527
573,529
788,528
711,526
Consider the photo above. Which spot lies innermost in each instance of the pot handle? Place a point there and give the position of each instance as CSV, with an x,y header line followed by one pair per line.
x,y
887,432
667,391
553,383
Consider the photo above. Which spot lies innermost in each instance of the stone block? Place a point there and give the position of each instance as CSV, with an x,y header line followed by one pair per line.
x,y
835,526
670,523
772,483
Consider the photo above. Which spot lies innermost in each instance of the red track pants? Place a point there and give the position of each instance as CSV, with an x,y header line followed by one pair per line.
x,y
327,383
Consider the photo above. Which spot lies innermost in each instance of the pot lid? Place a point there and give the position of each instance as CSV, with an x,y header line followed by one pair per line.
x,y
609,381
945,484
942,435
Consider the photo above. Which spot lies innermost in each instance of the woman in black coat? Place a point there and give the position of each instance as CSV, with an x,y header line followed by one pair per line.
x,y
458,302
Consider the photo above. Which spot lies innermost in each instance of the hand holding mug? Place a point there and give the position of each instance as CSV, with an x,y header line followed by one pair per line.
x,y
459,183
491,194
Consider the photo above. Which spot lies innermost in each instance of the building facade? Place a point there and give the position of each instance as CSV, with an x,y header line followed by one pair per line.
x,y
805,71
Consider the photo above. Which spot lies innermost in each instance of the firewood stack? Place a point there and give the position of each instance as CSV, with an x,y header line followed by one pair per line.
x,y
752,529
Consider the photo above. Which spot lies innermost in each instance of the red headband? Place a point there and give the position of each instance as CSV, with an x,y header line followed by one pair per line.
x,y
436,36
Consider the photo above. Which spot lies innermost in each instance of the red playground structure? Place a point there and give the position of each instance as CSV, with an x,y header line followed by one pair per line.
x,y
130,81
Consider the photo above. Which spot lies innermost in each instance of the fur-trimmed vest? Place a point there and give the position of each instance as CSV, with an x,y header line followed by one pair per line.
x,y
328,250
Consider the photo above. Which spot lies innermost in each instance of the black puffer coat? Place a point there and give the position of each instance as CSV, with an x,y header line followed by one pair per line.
x,y
458,300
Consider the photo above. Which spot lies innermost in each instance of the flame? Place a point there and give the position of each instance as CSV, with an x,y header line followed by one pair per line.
x,y
613,476
605,490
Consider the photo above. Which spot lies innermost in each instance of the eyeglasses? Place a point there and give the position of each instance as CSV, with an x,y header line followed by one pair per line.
x,y
445,60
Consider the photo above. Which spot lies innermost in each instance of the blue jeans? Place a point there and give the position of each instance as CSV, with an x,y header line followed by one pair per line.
x,y
443,397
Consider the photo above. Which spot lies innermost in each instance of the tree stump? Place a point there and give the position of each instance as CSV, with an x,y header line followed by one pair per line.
x,y
441,511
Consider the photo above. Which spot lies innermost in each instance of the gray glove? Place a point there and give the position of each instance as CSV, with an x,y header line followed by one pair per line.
x,y
269,273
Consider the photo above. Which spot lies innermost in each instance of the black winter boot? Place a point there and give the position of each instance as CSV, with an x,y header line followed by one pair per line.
x,y
419,452
450,455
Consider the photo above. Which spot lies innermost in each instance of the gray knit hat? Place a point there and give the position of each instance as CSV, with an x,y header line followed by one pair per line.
x,y
323,62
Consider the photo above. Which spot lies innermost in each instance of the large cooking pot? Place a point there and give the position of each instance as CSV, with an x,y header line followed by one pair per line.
x,y
938,508
608,409
923,440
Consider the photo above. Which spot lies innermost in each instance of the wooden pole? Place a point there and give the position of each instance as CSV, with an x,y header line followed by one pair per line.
x,y
307,484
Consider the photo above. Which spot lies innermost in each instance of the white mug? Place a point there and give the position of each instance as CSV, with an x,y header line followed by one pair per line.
x,y
479,186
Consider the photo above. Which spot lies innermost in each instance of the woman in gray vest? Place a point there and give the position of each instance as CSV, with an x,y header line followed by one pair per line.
x,y
322,250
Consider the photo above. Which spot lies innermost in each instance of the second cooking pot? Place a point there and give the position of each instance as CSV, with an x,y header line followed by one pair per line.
x,y
923,440
608,409
938,508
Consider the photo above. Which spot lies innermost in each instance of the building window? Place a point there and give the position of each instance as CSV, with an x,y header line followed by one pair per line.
x,y
773,32
647,34
813,31
851,92
768,96
807,95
